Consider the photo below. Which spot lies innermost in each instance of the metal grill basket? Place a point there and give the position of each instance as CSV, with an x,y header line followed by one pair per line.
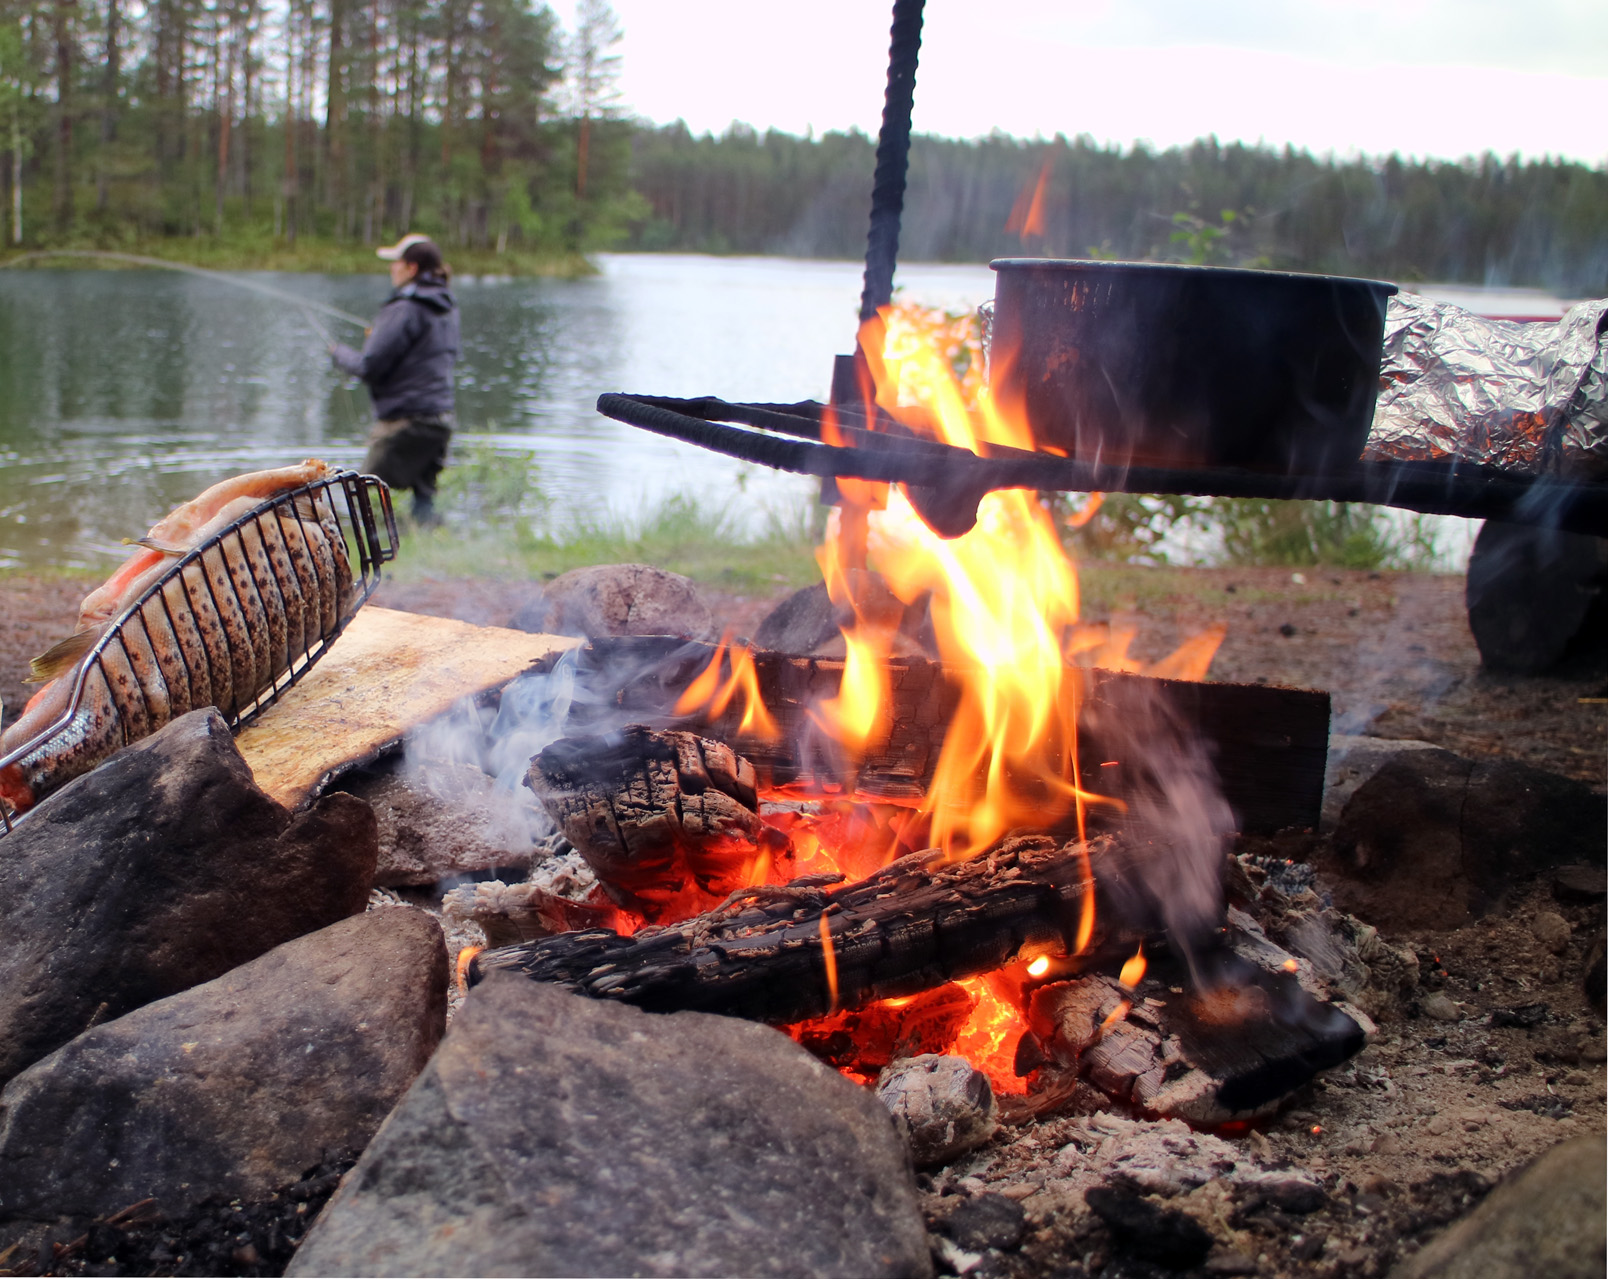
x,y
360,507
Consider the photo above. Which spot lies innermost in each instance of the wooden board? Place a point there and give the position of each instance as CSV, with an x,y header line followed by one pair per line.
x,y
388,672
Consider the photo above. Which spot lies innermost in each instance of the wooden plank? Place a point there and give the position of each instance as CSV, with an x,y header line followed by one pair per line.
x,y
388,672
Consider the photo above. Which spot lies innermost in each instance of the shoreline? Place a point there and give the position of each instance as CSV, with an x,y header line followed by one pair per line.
x,y
321,257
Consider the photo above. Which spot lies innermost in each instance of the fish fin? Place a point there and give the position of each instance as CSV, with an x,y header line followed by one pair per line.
x,y
152,544
306,506
61,658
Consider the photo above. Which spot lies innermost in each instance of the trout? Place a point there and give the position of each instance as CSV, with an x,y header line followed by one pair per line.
x,y
219,632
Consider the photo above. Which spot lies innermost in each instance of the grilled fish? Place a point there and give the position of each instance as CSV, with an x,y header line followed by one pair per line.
x,y
217,632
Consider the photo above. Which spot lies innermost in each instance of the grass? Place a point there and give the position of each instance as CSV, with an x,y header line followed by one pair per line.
x,y
499,523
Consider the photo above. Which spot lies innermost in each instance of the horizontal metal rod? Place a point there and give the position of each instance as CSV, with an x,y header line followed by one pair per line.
x,y
787,437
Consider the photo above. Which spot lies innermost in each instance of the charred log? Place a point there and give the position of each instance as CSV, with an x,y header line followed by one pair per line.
x,y
666,819
1267,745
1230,1048
785,954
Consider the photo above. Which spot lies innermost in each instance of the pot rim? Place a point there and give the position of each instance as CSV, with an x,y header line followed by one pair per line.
x,y
1097,265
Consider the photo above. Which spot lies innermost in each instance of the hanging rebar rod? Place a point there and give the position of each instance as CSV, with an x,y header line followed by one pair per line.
x,y
893,157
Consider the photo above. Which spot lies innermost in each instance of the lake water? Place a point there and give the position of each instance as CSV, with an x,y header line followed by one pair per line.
x,y
124,392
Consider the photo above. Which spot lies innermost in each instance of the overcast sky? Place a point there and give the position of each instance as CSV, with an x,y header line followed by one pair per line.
x,y
1442,78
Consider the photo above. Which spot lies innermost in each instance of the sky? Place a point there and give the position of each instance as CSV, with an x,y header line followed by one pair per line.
x,y
1424,78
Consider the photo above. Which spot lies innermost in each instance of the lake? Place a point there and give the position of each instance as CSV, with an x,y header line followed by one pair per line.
x,y
122,392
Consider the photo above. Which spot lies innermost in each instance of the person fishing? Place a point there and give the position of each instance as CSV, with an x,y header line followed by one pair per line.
x,y
406,362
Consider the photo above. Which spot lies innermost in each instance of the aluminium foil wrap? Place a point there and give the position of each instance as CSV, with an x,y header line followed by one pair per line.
x,y
1524,398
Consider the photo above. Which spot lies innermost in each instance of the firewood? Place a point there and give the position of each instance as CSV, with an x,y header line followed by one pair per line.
x,y
662,817
914,925
1229,1047
1268,745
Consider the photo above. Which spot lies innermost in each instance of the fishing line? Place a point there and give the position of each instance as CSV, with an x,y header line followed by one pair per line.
x,y
307,304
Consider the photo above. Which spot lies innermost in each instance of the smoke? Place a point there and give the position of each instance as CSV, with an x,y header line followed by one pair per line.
x,y
1168,871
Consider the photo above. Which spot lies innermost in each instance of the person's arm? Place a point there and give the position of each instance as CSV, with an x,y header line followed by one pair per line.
x,y
396,328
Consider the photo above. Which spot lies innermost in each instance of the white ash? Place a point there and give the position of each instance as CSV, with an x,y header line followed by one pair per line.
x,y
509,913
1163,1157
943,1105
565,874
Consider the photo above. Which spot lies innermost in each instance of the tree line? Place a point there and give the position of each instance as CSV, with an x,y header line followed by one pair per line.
x,y
491,126
482,120
1485,220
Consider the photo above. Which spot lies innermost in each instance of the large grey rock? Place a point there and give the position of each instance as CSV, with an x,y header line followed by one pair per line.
x,y
235,1087
1432,840
165,867
553,1135
808,622
1352,761
618,599
444,820
1550,1219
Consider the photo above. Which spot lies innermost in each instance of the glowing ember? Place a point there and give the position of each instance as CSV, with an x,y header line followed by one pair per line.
x,y
1039,966
988,1039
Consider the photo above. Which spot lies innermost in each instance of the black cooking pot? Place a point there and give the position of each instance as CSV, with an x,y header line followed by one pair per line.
x,y
1149,364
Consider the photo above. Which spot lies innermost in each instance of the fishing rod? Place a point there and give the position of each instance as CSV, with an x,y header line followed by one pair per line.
x,y
307,304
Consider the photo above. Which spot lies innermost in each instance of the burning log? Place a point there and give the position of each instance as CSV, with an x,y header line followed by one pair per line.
x,y
660,816
1231,1049
1268,745
788,953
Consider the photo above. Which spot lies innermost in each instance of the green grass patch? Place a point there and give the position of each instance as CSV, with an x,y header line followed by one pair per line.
x,y
498,522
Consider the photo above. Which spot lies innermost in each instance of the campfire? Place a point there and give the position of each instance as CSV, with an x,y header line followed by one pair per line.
x,y
984,831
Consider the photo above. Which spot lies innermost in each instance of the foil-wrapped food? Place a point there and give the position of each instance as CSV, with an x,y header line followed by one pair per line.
x,y
1523,397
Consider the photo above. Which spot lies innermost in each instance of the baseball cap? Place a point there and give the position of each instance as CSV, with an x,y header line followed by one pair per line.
x,y
394,251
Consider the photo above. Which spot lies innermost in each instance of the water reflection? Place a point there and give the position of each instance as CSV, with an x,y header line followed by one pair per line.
x,y
123,392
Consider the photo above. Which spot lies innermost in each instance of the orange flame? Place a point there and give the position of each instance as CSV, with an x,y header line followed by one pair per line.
x,y
829,955
464,957
1027,216
709,694
1002,596
1133,972
1119,1013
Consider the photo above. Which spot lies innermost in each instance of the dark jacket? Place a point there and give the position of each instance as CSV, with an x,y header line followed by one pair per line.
x,y
408,357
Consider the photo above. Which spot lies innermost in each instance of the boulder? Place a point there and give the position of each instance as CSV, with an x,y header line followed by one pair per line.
x,y
618,599
164,868
1432,840
233,1088
1549,1219
553,1134
808,622
444,820
1351,762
